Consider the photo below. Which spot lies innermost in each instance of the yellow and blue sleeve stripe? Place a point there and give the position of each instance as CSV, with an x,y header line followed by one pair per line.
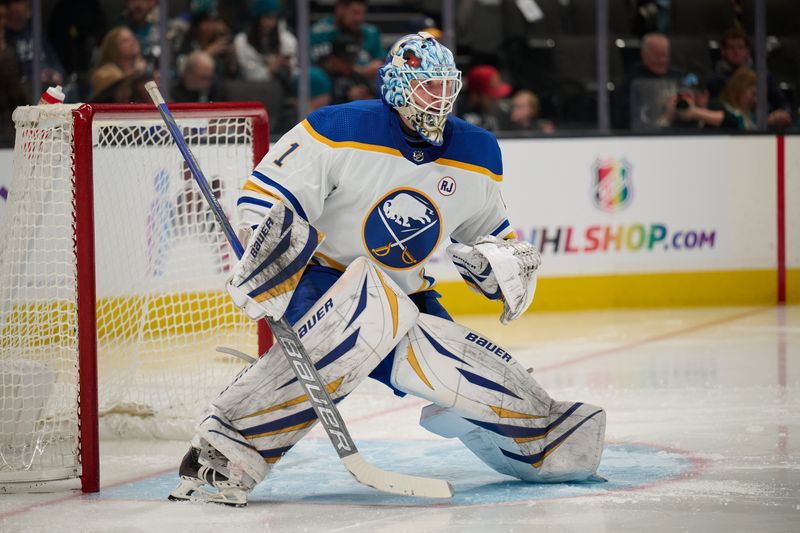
x,y
282,191
252,200
503,227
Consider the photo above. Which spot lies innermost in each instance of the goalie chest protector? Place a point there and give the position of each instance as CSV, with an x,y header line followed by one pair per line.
x,y
352,173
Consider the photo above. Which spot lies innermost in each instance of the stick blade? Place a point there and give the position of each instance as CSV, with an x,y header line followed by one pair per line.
x,y
394,483
236,353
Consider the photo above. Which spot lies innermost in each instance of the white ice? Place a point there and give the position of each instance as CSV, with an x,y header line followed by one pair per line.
x,y
703,434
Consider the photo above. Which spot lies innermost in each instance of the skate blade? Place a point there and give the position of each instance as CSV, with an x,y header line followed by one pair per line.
x,y
192,490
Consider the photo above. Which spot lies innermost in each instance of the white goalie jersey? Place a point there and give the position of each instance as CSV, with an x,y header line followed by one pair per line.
x,y
350,171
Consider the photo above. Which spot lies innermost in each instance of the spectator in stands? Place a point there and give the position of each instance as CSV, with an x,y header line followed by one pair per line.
x,y
691,104
348,18
735,52
695,109
197,82
485,90
209,33
651,83
19,36
141,17
738,105
268,50
121,48
115,87
12,93
524,114
105,77
655,54
347,84
319,95
320,90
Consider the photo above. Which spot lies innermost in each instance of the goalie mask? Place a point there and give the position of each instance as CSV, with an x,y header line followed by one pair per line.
x,y
420,80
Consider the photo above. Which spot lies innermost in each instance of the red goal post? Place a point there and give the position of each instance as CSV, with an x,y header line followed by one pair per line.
x,y
111,279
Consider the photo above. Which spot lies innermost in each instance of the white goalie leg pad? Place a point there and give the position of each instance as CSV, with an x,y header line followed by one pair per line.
x,y
350,329
268,272
565,446
482,396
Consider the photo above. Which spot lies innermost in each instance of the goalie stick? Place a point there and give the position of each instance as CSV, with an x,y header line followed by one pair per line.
x,y
249,359
299,361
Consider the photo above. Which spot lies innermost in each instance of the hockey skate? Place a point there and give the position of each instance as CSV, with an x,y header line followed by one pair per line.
x,y
203,467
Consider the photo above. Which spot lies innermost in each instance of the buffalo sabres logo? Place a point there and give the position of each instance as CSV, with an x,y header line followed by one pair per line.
x,y
402,229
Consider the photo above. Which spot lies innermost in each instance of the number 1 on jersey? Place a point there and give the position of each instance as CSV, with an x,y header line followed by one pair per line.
x,y
292,148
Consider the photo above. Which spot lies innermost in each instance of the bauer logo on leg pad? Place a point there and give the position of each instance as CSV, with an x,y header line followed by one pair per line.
x,y
318,315
488,346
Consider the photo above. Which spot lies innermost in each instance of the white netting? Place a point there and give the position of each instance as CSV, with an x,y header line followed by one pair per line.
x,y
161,262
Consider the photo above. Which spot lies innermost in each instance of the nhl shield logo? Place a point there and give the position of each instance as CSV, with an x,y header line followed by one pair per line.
x,y
402,229
611,184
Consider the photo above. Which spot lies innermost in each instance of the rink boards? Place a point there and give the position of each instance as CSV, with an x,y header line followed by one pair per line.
x,y
641,221
649,221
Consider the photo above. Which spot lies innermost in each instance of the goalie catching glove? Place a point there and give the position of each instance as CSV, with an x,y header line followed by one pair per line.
x,y
267,274
499,269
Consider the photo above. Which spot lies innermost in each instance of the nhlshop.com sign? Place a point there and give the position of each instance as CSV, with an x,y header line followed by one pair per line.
x,y
621,238
641,205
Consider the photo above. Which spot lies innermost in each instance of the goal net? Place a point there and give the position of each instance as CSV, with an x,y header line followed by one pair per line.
x,y
109,258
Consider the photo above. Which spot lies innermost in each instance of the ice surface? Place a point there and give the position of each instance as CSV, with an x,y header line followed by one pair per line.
x,y
703,423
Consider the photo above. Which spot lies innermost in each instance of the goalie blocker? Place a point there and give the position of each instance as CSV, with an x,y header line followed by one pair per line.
x,y
266,276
